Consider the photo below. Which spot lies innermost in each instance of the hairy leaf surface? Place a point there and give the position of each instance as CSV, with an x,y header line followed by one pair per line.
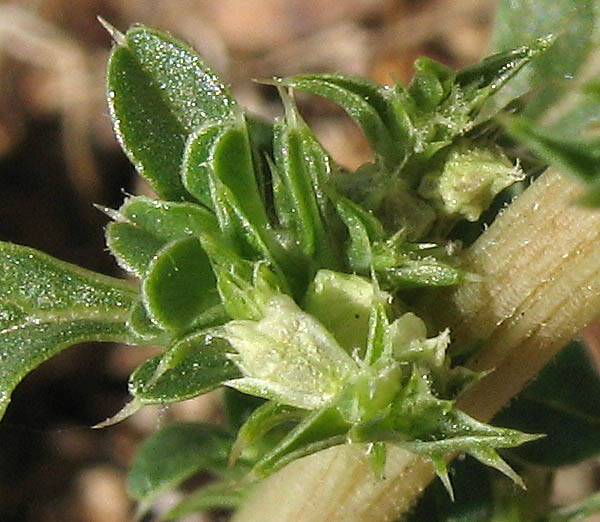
x,y
47,305
159,91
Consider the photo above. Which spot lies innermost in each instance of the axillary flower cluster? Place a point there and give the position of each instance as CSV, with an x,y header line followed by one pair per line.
x,y
267,268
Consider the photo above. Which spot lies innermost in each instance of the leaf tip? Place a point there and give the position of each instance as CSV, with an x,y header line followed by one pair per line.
x,y
110,212
127,411
441,470
115,34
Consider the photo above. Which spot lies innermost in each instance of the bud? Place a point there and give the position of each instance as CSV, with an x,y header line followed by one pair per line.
x,y
469,179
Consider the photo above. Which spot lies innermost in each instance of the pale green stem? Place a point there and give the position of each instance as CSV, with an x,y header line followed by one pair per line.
x,y
541,266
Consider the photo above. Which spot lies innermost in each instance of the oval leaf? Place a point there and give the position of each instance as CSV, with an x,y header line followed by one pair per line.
x,y
180,285
167,220
194,365
159,91
231,162
132,247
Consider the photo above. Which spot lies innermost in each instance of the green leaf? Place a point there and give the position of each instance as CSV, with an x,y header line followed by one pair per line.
x,y
180,285
578,158
575,24
238,407
363,228
261,421
175,453
159,91
47,305
208,498
445,105
421,272
142,325
144,226
192,366
365,102
431,84
378,341
564,403
260,132
422,423
319,430
196,158
231,162
221,162
491,74
377,453
302,172
167,220
132,247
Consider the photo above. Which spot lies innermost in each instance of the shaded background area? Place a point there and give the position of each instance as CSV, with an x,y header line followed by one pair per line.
x,y
58,157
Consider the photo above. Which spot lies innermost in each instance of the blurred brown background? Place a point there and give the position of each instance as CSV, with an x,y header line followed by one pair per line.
x,y
58,156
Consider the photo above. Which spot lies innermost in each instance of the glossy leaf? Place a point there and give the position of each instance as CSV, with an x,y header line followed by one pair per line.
x,y
196,161
518,23
180,285
159,91
431,83
361,229
260,133
422,423
192,90
175,453
564,403
192,366
378,340
47,305
231,162
400,265
303,169
491,74
144,226
365,103
222,163
423,272
167,220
